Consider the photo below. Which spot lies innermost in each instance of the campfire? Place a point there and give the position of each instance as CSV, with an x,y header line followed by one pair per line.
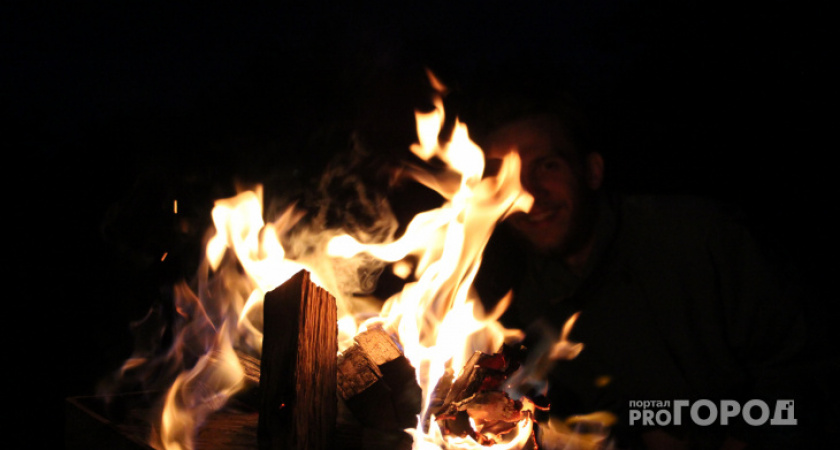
x,y
273,310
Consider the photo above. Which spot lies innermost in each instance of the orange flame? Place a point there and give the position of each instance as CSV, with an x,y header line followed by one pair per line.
x,y
199,392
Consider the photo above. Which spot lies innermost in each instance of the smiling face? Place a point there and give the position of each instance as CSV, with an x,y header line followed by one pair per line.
x,y
562,181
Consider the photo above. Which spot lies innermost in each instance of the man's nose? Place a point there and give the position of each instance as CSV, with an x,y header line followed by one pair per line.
x,y
534,186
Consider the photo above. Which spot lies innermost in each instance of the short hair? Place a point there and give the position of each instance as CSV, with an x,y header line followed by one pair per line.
x,y
510,96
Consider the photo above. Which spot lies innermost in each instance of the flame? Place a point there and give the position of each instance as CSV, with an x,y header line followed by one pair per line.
x,y
219,316
437,317
200,391
563,348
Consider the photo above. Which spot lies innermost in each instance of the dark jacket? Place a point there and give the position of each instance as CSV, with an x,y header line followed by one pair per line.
x,y
677,301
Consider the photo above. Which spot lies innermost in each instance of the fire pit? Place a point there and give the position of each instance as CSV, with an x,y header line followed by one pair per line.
x,y
289,358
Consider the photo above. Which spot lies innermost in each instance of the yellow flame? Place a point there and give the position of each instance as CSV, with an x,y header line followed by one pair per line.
x,y
402,269
435,439
563,348
438,318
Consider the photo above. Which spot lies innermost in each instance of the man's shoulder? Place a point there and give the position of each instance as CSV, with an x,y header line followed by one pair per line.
x,y
675,220
689,210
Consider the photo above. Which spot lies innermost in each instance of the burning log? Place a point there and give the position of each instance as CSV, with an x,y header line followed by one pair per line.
x,y
298,367
377,386
474,404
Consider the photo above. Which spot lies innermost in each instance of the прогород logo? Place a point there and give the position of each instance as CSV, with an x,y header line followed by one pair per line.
x,y
706,412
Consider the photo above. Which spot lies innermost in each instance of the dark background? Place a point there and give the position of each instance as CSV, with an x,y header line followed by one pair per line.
x,y
129,107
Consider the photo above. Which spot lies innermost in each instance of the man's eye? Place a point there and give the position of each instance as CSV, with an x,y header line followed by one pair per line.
x,y
550,164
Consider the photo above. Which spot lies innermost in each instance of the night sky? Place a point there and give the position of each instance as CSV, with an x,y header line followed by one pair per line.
x,y
129,107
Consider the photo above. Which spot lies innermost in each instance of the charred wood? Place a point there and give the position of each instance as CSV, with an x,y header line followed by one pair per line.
x,y
474,404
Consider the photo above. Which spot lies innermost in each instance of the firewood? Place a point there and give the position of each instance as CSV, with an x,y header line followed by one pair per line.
x,y
358,366
378,387
298,405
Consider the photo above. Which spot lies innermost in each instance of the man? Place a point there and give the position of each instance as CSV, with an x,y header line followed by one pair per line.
x,y
676,301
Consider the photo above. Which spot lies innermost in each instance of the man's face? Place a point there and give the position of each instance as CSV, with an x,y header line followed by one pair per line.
x,y
554,174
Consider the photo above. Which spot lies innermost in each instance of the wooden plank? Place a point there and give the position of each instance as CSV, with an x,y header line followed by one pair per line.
x,y
298,407
89,423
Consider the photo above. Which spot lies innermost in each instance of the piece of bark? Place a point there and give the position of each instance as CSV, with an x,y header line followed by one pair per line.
x,y
480,379
298,405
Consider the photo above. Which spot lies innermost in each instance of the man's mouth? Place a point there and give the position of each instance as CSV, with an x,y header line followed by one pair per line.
x,y
536,217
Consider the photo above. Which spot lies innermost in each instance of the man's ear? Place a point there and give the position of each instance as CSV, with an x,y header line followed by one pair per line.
x,y
594,170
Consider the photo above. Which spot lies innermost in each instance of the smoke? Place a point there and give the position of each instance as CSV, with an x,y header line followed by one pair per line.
x,y
350,197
